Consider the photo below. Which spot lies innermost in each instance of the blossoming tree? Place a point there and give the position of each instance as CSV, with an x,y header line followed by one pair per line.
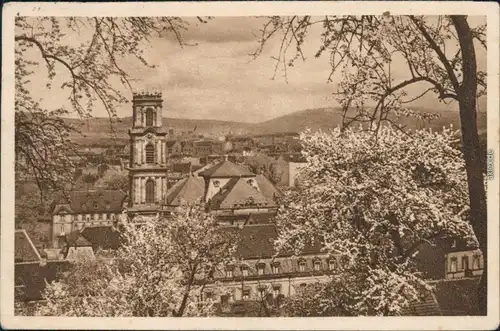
x,y
374,200
437,53
161,270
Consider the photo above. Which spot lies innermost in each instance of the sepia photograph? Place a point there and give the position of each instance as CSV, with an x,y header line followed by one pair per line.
x,y
324,163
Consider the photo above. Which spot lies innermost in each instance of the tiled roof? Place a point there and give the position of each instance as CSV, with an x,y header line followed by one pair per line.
x,y
237,193
296,158
171,143
257,241
267,187
24,249
226,169
94,201
32,278
75,239
203,143
187,189
181,167
105,237
451,298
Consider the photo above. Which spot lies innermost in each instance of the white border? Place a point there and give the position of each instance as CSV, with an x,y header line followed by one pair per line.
x,y
490,9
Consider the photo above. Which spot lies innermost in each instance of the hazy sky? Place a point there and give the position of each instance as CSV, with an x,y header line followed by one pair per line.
x,y
217,78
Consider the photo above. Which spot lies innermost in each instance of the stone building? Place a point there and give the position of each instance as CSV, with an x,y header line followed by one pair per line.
x,y
148,159
82,209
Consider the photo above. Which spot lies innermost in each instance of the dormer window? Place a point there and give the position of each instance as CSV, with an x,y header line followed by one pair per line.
x,y
453,264
96,205
229,271
276,267
260,268
108,205
245,294
476,262
317,265
216,183
332,264
244,271
250,182
302,265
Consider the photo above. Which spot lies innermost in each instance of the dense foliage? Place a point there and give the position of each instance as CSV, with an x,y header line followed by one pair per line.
x,y
160,270
375,200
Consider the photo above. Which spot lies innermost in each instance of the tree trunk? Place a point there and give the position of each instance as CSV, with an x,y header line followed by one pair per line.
x,y
471,147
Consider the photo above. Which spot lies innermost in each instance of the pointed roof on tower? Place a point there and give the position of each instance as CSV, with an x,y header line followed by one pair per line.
x,y
187,189
237,193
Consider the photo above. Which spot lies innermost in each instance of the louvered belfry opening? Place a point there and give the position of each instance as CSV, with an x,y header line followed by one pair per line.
x,y
150,191
150,154
149,117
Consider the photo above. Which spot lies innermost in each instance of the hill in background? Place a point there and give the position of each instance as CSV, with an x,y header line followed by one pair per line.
x,y
103,131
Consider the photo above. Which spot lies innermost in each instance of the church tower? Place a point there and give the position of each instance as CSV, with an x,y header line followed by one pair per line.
x,y
148,156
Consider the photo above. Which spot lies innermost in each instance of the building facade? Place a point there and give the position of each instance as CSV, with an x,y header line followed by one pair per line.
x,y
81,209
148,155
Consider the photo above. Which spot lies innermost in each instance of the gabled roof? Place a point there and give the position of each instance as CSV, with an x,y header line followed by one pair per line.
x,y
24,249
237,193
75,239
92,201
188,189
227,169
267,188
105,237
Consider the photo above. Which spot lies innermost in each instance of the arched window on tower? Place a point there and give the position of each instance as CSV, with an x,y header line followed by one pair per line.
x,y
149,117
150,154
150,191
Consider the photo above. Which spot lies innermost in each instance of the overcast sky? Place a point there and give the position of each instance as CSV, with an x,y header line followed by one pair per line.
x,y
217,78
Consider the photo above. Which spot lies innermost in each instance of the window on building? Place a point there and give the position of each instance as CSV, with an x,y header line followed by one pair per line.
x,y
244,271
317,265
96,205
453,264
276,268
150,154
61,229
149,117
276,290
476,262
260,268
332,264
87,218
245,294
302,266
465,262
150,191
224,300
216,183
229,273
